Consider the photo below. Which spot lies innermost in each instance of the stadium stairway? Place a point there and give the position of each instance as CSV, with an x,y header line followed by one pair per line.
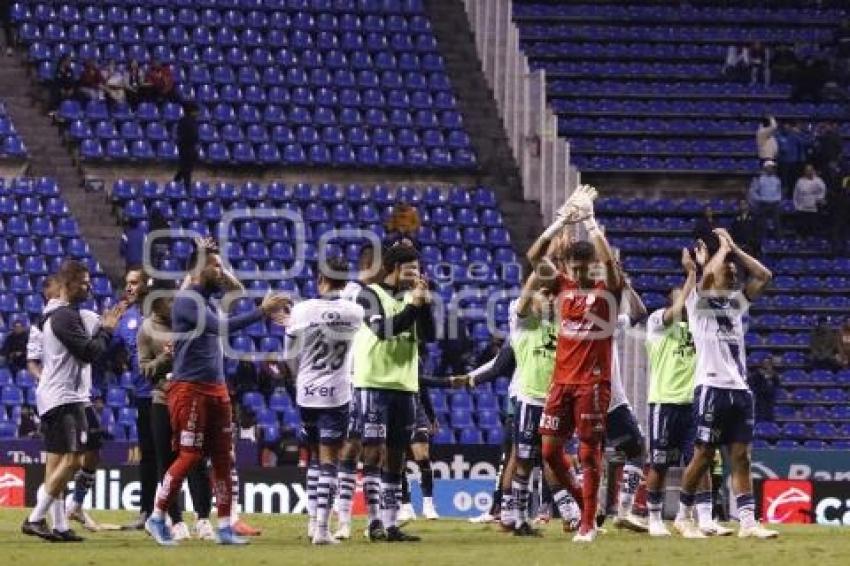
x,y
50,158
481,117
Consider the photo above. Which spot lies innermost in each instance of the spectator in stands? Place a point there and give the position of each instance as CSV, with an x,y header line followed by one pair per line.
x,y
29,427
6,20
844,343
838,206
91,81
783,63
765,139
827,147
737,65
823,346
841,48
793,146
64,84
115,83
270,375
404,221
759,56
810,78
132,243
161,246
745,229
809,199
455,348
137,89
766,198
161,81
490,351
764,382
246,379
705,224
187,143
15,347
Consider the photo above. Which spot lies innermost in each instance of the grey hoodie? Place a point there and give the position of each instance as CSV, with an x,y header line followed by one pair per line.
x,y
70,342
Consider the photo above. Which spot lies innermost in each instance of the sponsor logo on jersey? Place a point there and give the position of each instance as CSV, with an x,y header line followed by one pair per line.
x,y
787,501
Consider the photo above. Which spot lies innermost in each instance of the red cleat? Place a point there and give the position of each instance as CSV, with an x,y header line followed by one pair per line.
x,y
243,529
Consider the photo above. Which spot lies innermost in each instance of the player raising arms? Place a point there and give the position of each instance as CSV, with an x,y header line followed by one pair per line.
x,y
581,386
198,401
672,361
318,352
386,374
724,403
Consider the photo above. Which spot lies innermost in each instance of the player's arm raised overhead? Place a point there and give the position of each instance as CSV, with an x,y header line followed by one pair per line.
x,y
604,255
578,207
712,268
630,300
673,313
758,276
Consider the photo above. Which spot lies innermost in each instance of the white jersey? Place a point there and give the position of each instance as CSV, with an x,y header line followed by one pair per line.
x,y
319,350
618,393
351,290
717,325
52,393
513,327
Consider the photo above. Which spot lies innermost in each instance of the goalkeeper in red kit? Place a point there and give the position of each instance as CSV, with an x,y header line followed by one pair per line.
x,y
588,287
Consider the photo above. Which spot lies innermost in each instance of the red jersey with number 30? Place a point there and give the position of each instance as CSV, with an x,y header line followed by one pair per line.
x,y
583,355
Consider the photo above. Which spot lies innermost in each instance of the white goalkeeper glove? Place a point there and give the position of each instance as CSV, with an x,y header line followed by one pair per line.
x,y
577,208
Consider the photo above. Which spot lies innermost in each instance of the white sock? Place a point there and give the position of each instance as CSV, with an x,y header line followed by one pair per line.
x,y
704,515
59,518
42,505
224,522
158,514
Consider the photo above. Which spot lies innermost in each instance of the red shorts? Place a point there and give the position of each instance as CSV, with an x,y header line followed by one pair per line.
x,y
201,417
576,407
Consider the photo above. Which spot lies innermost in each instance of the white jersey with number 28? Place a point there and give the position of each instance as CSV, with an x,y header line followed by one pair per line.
x,y
717,325
318,350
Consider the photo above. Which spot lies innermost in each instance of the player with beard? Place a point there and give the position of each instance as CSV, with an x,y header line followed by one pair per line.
x,y
724,403
386,375
198,400
70,343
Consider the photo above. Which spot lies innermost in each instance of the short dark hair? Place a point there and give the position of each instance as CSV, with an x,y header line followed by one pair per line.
x,y
335,272
765,121
712,243
71,270
580,251
398,254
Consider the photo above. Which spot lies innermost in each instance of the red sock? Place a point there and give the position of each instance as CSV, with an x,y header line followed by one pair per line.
x,y
572,484
172,482
591,462
222,483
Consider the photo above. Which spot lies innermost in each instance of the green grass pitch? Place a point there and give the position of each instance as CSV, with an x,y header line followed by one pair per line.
x,y
445,542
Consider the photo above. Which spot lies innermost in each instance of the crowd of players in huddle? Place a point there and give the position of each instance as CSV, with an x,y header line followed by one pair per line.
x,y
354,353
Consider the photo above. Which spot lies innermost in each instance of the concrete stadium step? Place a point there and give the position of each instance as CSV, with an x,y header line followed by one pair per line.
x,y
482,120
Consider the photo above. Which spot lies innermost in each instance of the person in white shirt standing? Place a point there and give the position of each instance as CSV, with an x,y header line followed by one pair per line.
x,y
318,352
724,402
69,345
809,198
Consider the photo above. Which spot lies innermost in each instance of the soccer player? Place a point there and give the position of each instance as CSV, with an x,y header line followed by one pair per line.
x,y
198,401
386,375
623,433
156,356
84,477
63,395
672,362
724,403
370,272
533,343
318,352
581,387
135,288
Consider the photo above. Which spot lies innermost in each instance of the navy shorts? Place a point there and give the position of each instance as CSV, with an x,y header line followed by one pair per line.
x,y
325,425
65,429
527,430
671,434
94,440
623,433
388,416
355,416
421,426
723,416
